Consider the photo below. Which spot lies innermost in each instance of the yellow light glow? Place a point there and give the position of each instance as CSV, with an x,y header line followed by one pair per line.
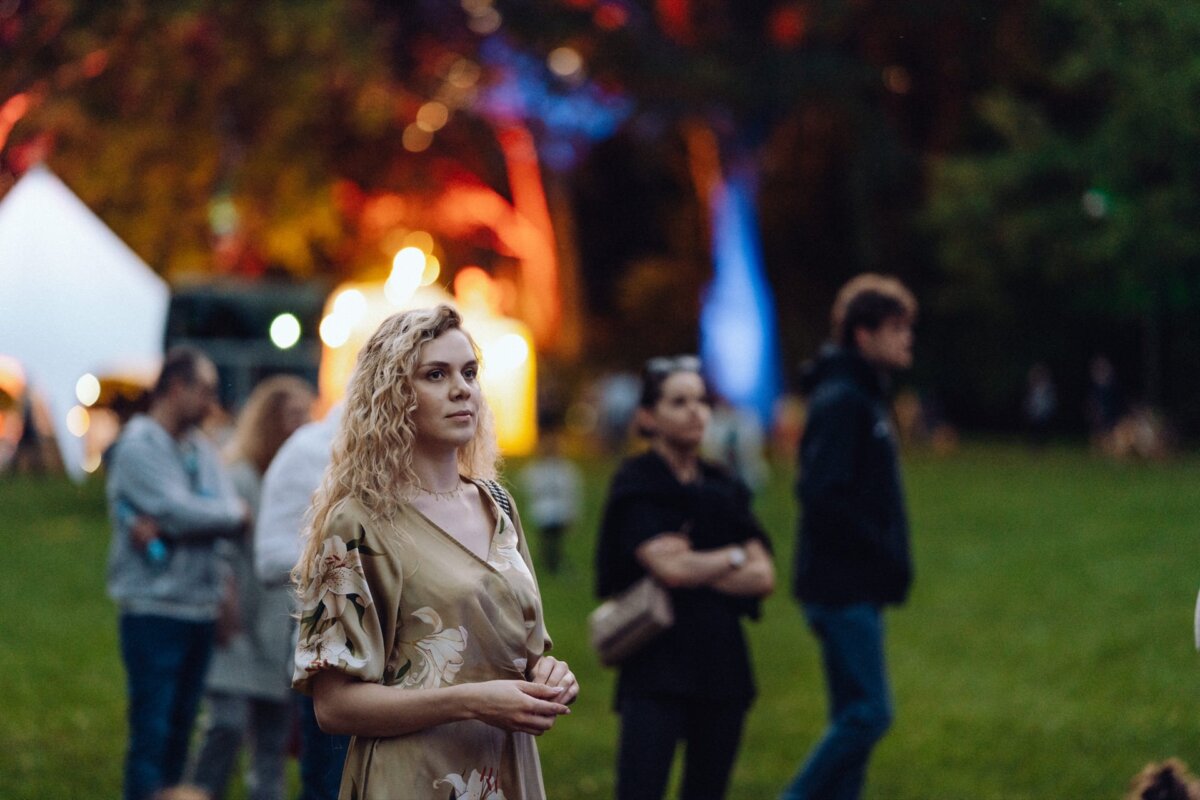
x,y
339,353
350,304
409,260
87,389
416,140
78,421
335,330
420,240
508,378
91,463
285,331
433,268
432,116
565,62
507,353
407,268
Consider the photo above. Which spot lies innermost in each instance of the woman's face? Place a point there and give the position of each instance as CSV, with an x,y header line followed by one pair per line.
x,y
681,414
447,389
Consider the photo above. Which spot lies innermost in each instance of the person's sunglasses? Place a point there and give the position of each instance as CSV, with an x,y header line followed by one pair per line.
x,y
667,364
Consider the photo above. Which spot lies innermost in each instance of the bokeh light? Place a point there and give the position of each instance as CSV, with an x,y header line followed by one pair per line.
x,y
408,267
420,240
506,353
433,269
432,116
87,389
486,23
285,331
335,330
78,421
351,304
565,62
415,139
464,74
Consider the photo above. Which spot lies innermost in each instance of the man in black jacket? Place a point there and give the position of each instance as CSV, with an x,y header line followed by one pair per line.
x,y
852,558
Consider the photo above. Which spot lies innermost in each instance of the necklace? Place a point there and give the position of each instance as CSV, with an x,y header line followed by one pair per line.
x,y
450,495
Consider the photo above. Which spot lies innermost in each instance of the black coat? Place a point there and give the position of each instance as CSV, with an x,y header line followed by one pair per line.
x,y
704,654
854,531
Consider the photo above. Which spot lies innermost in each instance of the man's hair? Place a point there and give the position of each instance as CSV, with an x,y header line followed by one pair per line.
x,y
1167,780
179,365
867,301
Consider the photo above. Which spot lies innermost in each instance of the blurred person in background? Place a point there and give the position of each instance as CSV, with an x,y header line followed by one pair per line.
x,y
1040,404
248,693
422,633
734,438
287,495
852,558
687,522
1103,405
553,485
170,501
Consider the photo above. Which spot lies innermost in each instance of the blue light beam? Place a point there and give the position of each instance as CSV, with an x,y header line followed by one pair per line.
x,y
738,340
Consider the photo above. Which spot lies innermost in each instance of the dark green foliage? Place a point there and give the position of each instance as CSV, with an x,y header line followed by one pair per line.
x,y
1070,229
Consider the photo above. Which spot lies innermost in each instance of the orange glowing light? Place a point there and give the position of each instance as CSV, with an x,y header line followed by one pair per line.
x,y
415,139
420,240
473,287
432,116
11,112
539,259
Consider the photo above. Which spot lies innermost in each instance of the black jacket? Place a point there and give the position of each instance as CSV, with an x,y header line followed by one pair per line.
x,y
704,654
854,531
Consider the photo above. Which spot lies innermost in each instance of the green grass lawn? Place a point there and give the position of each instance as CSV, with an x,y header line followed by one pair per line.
x,y
1045,652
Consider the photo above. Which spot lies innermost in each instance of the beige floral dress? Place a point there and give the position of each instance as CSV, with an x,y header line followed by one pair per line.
x,y
402,603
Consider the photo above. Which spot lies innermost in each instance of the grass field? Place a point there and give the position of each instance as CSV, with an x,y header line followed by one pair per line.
x,y
1046,651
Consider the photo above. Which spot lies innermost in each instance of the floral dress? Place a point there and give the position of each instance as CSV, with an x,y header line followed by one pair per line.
x,y
403,603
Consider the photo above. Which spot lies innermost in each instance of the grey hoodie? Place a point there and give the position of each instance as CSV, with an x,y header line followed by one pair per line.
x,y
183,485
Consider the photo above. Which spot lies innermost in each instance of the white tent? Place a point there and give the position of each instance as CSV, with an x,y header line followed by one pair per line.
x,y
74,299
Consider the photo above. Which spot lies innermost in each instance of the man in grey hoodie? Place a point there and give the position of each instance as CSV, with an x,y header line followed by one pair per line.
x,y
170,501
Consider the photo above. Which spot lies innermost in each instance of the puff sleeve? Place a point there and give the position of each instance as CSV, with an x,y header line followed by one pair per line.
x,y
345,611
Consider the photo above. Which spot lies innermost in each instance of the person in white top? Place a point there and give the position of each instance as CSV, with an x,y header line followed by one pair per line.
x,y
287,492
552,484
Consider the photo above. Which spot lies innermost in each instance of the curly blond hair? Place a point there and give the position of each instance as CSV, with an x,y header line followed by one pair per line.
x,y
260,430
373,451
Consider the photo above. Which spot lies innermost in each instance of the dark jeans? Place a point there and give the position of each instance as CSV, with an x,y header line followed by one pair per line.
x,y
165,663
321,755
860,706
651,729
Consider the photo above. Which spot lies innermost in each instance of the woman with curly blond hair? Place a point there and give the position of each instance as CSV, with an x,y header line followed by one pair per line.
x,y
246,691
421,629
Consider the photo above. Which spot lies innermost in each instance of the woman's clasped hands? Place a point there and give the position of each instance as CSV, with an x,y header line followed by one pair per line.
x,y
530,706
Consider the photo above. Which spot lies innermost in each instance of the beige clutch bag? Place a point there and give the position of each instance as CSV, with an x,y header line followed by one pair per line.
x,y
623,624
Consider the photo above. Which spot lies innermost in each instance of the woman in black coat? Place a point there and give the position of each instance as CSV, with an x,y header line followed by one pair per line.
x,y
688,523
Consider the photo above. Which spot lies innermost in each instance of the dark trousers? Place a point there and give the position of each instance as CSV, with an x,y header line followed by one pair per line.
x,y
234,721
651,730
552,537
860,706
165,663
321,756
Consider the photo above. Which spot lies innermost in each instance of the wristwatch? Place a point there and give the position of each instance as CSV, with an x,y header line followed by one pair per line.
x,y
737,557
